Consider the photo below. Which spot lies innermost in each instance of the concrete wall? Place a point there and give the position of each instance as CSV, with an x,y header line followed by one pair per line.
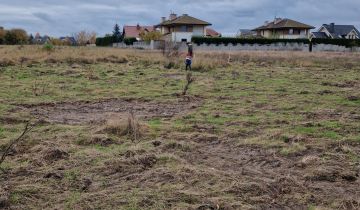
x,y
199,31
155,45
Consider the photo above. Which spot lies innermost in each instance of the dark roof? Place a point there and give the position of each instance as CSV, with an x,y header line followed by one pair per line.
x,y
279,23
247,32
340,30
184,20
320,35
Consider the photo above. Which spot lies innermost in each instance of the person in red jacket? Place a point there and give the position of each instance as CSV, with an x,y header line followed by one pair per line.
x,y
188,62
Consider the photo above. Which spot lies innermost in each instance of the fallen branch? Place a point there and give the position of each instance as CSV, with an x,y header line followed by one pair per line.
x,y
27,129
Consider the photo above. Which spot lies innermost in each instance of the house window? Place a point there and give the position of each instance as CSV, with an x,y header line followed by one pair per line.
x,y
297,31
291,31
183,28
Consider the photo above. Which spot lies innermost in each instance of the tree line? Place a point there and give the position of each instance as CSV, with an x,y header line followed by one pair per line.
x,y
117,36
19,36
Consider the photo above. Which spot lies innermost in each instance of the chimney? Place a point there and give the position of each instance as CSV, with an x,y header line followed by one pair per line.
x,y
138,26
172,16
163,19
277,20
332,27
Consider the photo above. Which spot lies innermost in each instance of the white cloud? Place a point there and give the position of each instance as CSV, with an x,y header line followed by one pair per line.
x,y
59,18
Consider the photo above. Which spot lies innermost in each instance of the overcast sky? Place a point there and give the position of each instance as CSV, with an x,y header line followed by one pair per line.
x,y
64,17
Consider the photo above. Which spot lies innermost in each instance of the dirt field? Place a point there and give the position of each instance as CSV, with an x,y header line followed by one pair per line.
x,y
275,130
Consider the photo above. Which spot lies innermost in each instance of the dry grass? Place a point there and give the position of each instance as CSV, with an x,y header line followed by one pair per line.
x,y
12,55
255,133
203,61
130,127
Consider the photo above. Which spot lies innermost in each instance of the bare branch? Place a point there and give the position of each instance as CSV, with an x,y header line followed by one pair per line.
x,y
189,79
27,129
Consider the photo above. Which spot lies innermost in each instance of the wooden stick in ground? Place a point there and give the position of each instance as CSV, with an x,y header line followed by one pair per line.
x,y
27,129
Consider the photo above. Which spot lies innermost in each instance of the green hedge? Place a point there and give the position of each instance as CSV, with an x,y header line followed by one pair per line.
x,y
340,42
105,41
226,41
130,40
109,40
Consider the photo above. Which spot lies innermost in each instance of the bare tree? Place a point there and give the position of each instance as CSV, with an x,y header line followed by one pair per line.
x,y
84,37
92,37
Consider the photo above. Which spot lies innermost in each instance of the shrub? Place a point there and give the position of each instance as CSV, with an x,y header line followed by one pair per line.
x,y
153,35
48,47
130,40
229,40
16,36
105,41
2,35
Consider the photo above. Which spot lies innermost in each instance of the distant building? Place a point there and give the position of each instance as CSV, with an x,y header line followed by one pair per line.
x,y
40,39
284,29
135,31
246,33
212,33
333,31
182,28
69,40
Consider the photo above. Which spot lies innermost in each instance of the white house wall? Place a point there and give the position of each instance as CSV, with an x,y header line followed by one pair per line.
x,y
352,35
180,36
198,30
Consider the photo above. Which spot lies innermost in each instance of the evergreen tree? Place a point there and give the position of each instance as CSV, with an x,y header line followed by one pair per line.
x,y
31,39
117,34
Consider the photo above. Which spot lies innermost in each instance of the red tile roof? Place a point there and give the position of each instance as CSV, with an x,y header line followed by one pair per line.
x,y
212,33
134,31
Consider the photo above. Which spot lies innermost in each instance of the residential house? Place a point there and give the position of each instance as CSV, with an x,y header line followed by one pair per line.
x,y
284,29
332,31
40,39
181,28
68,40
135,31
212,33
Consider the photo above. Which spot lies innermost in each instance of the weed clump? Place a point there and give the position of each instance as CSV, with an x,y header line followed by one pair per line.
x,y
121,127
49,48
